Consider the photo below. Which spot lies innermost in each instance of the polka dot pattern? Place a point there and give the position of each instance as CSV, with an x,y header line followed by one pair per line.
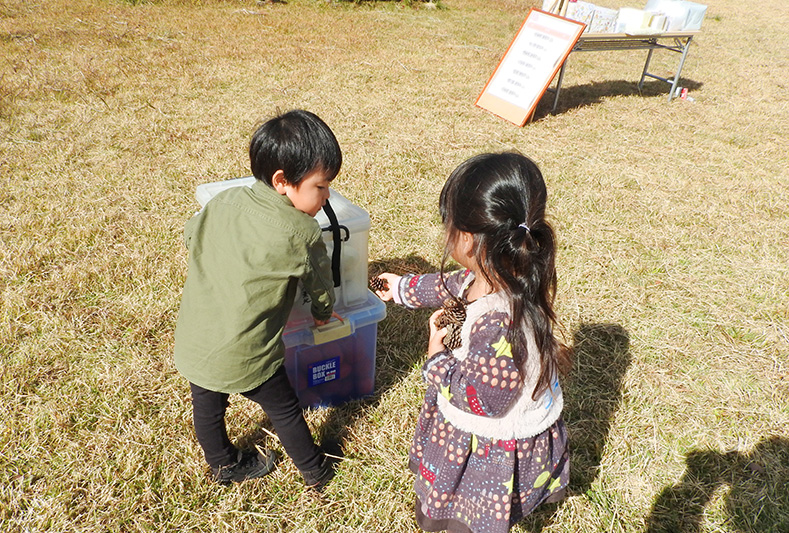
x,y
485,484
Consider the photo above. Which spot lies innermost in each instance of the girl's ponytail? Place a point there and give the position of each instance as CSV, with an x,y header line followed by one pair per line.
x,y
532,289
500,199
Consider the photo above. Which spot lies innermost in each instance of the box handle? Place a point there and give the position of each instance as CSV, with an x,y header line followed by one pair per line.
x,y
336,329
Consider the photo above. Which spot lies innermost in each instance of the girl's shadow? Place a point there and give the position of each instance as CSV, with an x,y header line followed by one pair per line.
x,y
591,398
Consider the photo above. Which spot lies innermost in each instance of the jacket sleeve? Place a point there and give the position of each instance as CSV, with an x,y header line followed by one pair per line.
x,y
190,228
318,280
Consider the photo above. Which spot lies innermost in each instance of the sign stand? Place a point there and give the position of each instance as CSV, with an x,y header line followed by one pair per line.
x,y
532,60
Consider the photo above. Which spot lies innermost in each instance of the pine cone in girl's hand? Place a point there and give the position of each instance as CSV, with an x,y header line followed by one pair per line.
x,y
452,318
379,284
454,313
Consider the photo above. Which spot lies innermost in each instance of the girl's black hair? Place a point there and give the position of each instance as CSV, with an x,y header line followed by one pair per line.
x,y
297,142
500,200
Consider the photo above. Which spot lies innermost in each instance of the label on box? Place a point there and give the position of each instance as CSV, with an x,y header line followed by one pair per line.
x,y
323,371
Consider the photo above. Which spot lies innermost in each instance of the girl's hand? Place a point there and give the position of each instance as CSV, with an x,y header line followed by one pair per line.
x,y
392,280
436,342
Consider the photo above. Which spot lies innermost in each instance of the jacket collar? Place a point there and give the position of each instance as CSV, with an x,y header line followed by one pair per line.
x,y
263,188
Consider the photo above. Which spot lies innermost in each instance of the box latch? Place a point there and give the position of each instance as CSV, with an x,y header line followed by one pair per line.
x,y
336,329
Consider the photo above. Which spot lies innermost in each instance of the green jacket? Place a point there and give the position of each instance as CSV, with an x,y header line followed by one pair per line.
x,y
248,248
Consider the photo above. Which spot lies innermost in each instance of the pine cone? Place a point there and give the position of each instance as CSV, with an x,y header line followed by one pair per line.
x,y
452,340
379,284
452,319
454,313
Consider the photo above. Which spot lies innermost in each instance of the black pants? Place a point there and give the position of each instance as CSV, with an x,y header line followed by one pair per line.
x,y
278,400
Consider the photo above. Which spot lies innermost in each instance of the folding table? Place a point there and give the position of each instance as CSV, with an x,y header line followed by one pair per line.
x,y
677,41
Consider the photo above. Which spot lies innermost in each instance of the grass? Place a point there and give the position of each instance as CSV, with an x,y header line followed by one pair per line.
x,y
672,220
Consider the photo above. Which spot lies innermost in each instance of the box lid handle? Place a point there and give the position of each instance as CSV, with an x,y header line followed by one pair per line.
x,y
336,329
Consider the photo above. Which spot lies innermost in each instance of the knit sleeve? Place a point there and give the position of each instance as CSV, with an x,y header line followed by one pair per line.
x,y
427,290
487,381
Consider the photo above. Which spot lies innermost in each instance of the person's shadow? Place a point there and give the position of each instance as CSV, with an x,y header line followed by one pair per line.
x,y
591,399
757,498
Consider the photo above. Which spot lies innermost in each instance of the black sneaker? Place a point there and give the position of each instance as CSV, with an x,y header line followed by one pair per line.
x,y
318,479
251,464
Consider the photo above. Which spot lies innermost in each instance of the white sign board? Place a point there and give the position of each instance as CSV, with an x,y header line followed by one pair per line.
x,y
530,63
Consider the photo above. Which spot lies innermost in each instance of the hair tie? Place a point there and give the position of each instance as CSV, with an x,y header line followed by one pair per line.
x,y
525,226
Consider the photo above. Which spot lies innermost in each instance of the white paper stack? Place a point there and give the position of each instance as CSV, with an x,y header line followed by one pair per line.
x,y
604,20
632,20
680,15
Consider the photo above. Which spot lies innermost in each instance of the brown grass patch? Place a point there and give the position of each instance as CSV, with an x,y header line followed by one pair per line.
x,y
672,219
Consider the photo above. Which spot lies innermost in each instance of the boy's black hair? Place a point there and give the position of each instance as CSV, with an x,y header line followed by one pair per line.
x,y
297,142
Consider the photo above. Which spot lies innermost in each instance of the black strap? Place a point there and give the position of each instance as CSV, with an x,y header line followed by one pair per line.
x,y
335,227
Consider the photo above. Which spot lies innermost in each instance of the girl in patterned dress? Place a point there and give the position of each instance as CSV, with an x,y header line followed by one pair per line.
x,y
490,444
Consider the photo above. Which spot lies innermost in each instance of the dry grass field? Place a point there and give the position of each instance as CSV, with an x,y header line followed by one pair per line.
x,y
673,221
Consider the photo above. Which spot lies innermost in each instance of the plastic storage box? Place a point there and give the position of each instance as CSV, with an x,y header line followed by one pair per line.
x,y
331,364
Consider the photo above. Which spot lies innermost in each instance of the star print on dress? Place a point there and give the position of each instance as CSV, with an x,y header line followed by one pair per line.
x,y
508,485
482,482
445,392
542,479
503,348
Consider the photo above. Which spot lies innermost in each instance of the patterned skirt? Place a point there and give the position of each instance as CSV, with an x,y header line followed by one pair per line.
x,y
470,483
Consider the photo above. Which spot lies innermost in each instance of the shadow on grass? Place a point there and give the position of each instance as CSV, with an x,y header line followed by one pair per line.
x,y
591,399
578,96
757,483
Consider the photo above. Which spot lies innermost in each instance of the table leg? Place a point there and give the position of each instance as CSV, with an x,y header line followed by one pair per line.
x,y
675,82
559,86
644,72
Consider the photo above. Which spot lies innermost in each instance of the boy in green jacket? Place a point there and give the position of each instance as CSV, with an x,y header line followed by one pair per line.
x,y
248,248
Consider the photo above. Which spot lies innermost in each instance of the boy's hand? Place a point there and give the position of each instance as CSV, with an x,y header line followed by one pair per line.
x,y
436,342
324,322
392,280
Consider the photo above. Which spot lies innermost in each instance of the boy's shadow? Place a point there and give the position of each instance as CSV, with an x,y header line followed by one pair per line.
x,y
591,399
758,497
